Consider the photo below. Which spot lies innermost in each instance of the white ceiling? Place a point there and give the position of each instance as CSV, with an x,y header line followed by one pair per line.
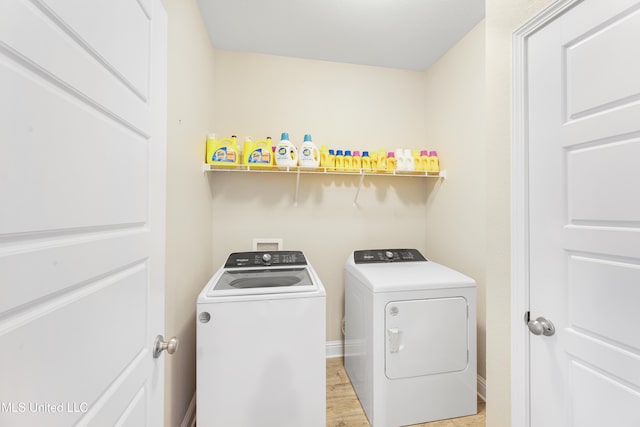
x,y
406,34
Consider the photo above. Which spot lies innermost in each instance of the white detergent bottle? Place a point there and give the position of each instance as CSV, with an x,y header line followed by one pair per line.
x,y
400,160
286,152
409,163
309,154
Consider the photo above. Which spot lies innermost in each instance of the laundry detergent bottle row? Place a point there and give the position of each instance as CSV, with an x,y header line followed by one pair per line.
x,y
286,152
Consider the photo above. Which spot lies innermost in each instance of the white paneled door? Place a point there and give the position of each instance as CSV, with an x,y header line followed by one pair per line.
x,y
583,176
82,184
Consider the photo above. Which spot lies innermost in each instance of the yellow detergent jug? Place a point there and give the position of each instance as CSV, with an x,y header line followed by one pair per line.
x,y
223,152
246,147
357,161
374,161
391,161
339,160
434,162
324,156
258,154
382,161
424,160
366,161
348,161
331,160
210,147
416,158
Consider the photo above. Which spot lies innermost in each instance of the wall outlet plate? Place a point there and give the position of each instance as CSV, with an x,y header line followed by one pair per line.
x,y
267,244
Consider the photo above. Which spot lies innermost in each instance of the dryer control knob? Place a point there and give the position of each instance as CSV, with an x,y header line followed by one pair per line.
x,y
388,254
266,258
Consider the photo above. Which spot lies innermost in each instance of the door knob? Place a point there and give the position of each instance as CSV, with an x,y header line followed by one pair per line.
x,y
541,326
161,345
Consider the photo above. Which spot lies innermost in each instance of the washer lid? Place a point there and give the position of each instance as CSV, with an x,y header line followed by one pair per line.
x,y
253,281
406,276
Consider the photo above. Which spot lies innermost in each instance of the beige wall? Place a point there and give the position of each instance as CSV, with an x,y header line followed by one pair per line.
x,y
349,106
188,265
502,18
341,105
456,218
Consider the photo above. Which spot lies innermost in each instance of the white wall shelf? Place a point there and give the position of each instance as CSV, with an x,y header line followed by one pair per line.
x,y
323,171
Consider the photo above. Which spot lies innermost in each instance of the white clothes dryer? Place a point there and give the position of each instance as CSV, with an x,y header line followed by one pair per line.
x,y
410,337
261,344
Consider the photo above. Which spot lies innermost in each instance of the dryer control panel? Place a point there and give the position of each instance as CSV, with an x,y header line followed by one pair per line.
x,y
268,258
374,256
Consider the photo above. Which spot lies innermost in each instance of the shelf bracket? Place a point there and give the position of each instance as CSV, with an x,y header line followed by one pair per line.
x,y
355,199
295,199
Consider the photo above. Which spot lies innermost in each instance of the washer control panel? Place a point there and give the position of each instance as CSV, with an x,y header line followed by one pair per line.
x,y
374,256
268,258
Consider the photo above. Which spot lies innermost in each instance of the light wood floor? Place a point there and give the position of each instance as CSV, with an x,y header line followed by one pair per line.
x,y
344,410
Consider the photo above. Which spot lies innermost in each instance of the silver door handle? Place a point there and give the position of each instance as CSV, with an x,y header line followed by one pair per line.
x,y
541,326
161,345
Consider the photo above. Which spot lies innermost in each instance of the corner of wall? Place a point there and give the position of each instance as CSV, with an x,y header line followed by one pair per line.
x,y
502,18
454,112
189,246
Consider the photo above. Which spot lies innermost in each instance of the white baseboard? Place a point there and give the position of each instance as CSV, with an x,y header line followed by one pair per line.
x,y
189,419
334,349
482,388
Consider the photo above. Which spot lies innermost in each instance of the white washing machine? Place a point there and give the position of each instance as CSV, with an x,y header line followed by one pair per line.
x,y
261,343
410,337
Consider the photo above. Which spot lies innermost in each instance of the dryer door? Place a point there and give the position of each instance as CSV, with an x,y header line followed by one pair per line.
x,y
426,337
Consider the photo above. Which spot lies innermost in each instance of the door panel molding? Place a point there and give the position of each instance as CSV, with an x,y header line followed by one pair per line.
x,y
520,382
586,131
82,235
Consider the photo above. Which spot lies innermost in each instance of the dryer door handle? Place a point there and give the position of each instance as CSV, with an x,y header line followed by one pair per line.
x,y
394,336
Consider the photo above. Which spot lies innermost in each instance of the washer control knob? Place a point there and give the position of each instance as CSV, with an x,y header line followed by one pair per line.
x,y
266,258
388,254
